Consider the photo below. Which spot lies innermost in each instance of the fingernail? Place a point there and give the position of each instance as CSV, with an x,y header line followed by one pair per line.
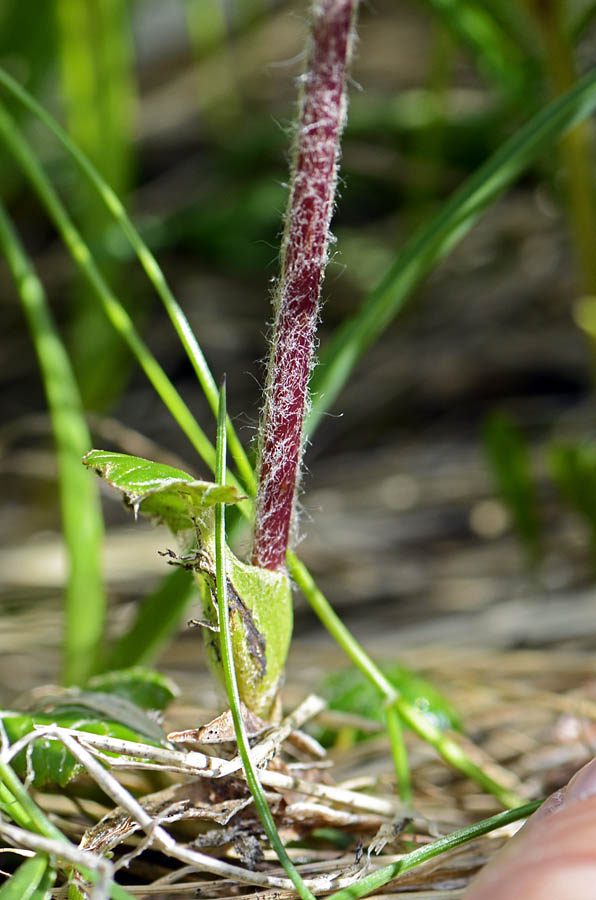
x,y
583,783
550,806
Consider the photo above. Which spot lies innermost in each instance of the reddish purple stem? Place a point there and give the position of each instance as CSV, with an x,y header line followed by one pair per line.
x,y
303,259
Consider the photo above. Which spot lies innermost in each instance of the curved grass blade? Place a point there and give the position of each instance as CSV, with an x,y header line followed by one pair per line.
x,y
116,313
434,241
22,808
583,22
409,861
45,886
85,604
229,666
25,808
515,20
25,881
151,267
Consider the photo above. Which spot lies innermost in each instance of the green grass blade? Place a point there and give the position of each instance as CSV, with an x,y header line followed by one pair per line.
x,y
381,876
45,886
27,810
116,313
155,623
473,25
515,21
95,55
399,754
25,881
229,667
583,22
11,809
434,241
151,267
85,604
95,63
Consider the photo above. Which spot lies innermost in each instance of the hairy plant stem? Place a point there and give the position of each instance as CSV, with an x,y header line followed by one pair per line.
x,y
304,253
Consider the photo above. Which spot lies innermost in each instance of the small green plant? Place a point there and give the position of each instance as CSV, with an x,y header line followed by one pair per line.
x,y
247,607
508,454
573,468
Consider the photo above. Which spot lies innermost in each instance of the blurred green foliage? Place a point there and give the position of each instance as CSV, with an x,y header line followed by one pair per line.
x,y
574,470
349,692
508,454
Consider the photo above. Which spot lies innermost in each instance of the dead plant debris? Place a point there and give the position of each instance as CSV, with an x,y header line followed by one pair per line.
x,y
182,822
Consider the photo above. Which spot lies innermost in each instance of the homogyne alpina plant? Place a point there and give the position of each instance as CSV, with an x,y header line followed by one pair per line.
x,y
416,259
261,609
247,618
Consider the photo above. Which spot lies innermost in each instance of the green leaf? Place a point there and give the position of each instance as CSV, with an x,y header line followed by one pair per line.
x,y
25,881
49,760
508,455
146,688
349,691
109,711
104,706
161,492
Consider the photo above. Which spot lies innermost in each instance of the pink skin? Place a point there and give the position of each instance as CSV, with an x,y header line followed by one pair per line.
x,y
553,857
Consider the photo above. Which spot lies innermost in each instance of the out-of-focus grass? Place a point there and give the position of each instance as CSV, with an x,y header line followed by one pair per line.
x,y
82,524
